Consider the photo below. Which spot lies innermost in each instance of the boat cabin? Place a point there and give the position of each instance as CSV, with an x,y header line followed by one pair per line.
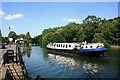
x,y
71,46
68,46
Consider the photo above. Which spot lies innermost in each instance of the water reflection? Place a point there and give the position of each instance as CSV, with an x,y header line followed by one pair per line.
x,y
68,62
75,64
45,55
92,68
26,51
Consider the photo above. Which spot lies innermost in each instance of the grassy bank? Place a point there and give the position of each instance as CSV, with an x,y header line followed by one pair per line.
x,y
115,46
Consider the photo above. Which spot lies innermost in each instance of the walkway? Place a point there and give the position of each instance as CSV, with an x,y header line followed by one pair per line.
x,y
13,69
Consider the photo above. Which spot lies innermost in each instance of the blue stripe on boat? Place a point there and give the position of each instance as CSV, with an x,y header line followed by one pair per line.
x,y
93,49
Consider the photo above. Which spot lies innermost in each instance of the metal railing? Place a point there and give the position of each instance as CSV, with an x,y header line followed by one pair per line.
x,y
1,58
18,60
2,52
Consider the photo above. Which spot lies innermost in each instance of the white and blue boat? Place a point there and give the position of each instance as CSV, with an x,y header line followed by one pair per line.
x,y
84,48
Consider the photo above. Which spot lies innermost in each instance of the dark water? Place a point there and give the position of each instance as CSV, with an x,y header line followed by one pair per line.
x,y
51,65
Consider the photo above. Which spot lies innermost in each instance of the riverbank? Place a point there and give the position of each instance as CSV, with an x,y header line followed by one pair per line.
x,y
15,69
115,46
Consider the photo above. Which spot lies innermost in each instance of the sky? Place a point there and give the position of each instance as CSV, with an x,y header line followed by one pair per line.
x,y
60,0
34,17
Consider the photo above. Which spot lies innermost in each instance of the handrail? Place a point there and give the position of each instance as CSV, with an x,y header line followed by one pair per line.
x,y
1,59
2,53
18,59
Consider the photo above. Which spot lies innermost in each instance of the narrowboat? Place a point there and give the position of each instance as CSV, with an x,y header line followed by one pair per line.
x,y
84,48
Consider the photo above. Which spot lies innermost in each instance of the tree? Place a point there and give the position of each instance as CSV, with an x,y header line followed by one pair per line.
x,y
13,35
5,40
93,29
22,36
28,38
92,19
91,23
81,35
116,33
98,38
47,38
37,40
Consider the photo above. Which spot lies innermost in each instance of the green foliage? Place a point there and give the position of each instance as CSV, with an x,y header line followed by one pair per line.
x,y
98,38
13,35
28,38
81,35
47,38
37,40
22,36
28,35
5,40
93,29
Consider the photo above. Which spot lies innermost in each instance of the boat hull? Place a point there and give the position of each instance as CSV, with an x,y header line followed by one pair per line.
x,y
86,52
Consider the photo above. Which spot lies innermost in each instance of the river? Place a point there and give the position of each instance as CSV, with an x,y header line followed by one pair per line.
x,y
51,65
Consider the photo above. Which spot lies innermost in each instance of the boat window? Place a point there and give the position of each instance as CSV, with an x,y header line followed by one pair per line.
x,y
90,46
61,45
66,45
54,45
86,46
57,45
69,45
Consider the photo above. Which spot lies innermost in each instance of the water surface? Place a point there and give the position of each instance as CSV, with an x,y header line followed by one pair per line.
x,y
52,65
